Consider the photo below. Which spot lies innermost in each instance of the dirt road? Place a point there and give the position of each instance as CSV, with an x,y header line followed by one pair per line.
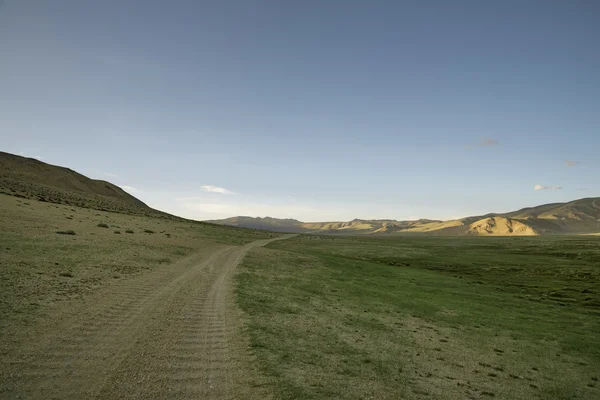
x,y
168,334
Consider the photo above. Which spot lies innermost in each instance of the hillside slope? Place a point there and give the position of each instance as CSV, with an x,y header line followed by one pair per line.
x,y
575,217
579,216
33,179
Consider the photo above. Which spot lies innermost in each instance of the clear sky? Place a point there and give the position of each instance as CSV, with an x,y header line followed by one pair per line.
x,y
318,110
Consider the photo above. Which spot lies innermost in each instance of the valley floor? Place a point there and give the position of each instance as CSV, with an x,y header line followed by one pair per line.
x,y
104,305
426,318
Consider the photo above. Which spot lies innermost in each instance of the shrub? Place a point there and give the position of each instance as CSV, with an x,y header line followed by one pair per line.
x,y
67,274
101,225
69,232
118,232
129,231
148,231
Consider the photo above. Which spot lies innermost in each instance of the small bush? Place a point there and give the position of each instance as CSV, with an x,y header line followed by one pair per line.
x,y
129,231
69,232
101,225
67,274
148,231
118,232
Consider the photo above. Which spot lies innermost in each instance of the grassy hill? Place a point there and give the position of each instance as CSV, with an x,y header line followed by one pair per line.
x,y
33,179
575,217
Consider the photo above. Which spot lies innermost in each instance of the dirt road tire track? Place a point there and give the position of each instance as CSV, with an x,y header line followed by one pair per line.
x,y
164,335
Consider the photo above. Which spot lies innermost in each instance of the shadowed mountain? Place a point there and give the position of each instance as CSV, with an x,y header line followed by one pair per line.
x,y
575,217
33,179
267,223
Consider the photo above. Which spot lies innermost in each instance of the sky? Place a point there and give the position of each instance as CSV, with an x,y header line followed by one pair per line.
x,y
315,110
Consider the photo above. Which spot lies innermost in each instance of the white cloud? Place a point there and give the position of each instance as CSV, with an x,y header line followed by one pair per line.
x,y
130,189
571,163
542,187
216,189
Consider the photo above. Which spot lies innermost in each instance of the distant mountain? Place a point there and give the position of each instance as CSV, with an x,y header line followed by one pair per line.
x,y
293,225
267,223
575,217
33,179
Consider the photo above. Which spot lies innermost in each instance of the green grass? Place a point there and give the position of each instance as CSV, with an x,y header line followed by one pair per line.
x,y
353,318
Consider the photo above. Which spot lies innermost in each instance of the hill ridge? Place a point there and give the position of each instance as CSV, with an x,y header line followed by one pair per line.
x,y
37,180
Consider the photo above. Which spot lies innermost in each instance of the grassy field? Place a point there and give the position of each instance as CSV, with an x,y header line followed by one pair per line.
x,y
51,253
448,318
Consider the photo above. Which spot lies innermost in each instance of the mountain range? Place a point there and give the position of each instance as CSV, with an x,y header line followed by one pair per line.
x,y
576,217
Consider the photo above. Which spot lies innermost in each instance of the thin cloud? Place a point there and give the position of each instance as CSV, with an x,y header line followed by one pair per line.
x,y
485,142
130,189
583,189
542,187
216,189
571,163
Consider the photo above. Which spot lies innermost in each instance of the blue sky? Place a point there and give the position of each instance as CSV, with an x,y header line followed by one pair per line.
x,y
318,110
